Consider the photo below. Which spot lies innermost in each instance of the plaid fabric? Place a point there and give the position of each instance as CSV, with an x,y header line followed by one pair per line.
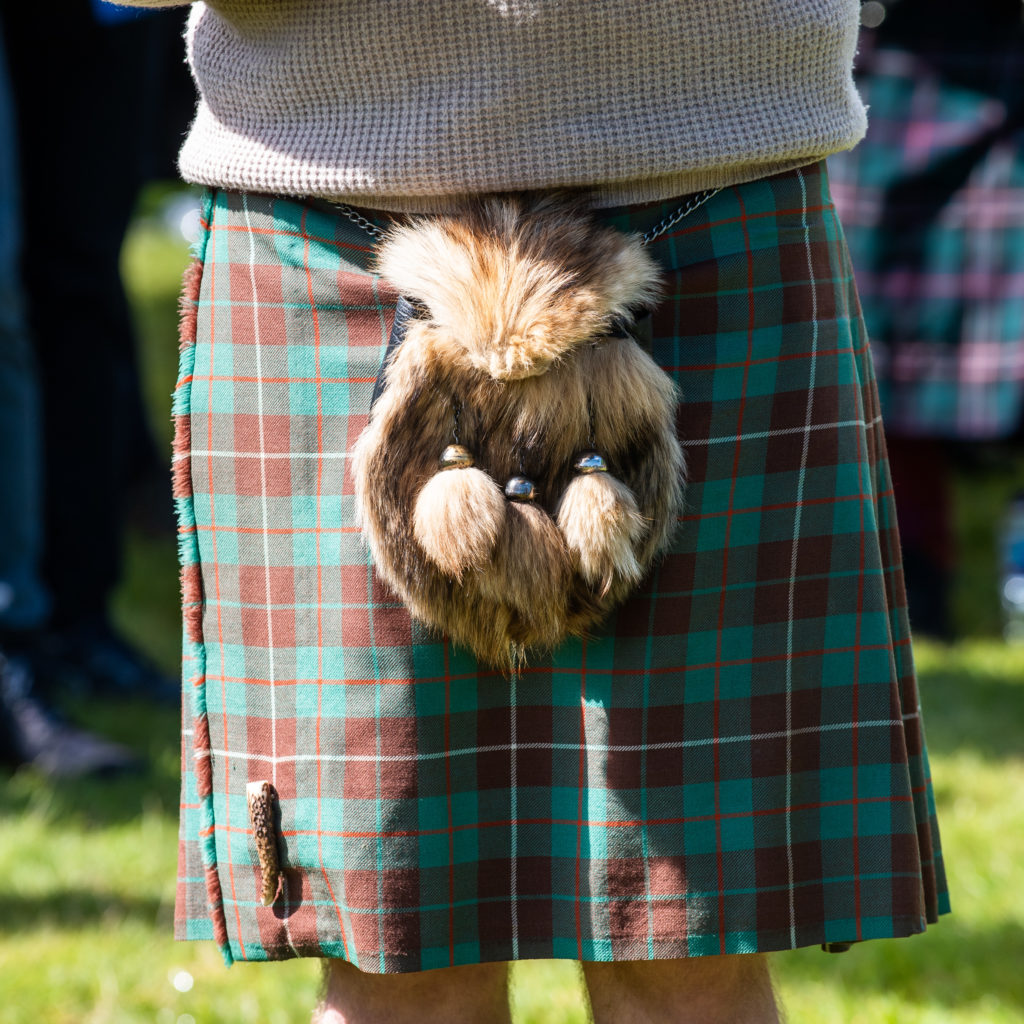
x,y
735,763
933,205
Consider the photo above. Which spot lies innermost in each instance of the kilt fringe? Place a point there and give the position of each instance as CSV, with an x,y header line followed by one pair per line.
x,y
188,303
192,602
194,715
181,477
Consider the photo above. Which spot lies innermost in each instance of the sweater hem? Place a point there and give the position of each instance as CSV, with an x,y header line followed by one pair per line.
x,y
604,195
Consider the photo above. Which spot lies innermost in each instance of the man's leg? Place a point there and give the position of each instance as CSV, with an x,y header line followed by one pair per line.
x,y
476,994
701,990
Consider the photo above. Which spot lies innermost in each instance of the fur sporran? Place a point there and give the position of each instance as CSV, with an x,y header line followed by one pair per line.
x,y
520,471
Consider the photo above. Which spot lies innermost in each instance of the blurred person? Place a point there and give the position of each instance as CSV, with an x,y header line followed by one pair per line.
x,y
111,131
733,763
933,206
31,732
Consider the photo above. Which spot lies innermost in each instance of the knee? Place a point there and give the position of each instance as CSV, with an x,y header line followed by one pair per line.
x,y
720,989
474,994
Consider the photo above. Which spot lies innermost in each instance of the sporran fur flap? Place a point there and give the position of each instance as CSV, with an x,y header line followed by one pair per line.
x,y
520,471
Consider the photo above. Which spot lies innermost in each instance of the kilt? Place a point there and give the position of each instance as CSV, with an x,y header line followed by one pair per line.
x,y
734,762
933,205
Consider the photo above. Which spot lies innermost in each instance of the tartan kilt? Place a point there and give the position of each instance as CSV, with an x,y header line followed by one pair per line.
x,y
735,762
932,202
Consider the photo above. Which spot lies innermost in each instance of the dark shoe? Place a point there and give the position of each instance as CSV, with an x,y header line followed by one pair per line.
x,y
94,660
32,733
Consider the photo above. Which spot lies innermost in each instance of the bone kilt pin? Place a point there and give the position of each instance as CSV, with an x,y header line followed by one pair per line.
x,y
520,470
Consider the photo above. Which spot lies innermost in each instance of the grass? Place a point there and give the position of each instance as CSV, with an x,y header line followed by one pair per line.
x,y
87,868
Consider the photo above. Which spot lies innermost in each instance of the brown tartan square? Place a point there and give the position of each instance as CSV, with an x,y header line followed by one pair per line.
x,y
534,725
668,919
366,778
809,599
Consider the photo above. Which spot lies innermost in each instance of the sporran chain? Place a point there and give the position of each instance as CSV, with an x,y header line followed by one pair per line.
x,y
669,222
665,225
359,220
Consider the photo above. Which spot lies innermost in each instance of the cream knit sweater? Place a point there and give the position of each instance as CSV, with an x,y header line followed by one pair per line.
x,y
409,103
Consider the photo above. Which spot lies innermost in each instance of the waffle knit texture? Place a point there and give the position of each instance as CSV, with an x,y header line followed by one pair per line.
x,y
410,103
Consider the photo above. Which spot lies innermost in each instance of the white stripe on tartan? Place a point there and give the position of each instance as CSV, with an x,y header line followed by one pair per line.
x,y
797,515
513,814
257,346
220,454
879,723
755,435
261,455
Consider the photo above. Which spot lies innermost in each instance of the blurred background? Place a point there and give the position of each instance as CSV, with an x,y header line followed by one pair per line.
x,y
94,236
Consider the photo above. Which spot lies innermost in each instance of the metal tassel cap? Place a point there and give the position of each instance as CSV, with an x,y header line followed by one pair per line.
x,y
456,456
519,488
590,462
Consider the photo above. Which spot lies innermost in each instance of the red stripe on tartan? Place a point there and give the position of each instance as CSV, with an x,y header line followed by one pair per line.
x,y
369,249
277,531
220,624
779,506
332,242
719,853
448,796
555,670
855,699
854,802
579,804
746,218
229,378
319,584
780,358
416,833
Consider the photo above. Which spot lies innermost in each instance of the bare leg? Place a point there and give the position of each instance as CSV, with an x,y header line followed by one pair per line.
x,y
702,990
476,994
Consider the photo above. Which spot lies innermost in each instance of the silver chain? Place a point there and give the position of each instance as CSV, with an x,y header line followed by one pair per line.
x,y
357,218
691,204
659,229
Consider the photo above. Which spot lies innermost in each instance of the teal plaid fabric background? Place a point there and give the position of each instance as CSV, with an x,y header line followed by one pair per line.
x,y
933,205
734,763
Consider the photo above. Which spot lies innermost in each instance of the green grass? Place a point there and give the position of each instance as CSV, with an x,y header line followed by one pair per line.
x,y
87,869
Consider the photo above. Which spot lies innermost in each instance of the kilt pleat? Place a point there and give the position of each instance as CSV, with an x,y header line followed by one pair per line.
x,y
734,762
